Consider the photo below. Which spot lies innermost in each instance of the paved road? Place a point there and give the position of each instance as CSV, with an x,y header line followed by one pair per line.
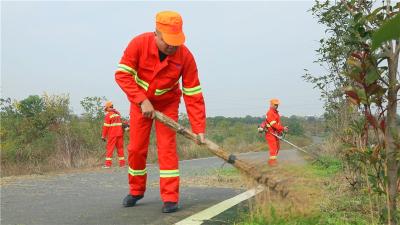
x,y
95,197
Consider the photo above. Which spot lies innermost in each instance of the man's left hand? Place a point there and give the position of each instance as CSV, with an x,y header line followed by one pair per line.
x,y
202,138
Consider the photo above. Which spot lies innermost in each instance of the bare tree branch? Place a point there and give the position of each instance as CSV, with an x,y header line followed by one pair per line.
x,y
383,81
397,49
387,50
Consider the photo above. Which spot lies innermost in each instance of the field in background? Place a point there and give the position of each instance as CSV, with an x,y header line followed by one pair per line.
x,y
41,134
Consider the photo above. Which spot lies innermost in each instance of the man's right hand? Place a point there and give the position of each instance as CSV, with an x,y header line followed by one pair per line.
x,y
286,129
147,109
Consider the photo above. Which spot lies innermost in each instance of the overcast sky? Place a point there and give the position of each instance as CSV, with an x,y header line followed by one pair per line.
x,y
246,52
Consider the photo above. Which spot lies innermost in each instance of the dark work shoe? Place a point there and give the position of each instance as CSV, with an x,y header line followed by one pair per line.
x,y
130,200
170,207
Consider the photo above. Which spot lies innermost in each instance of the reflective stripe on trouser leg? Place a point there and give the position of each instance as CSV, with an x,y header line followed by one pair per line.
x,y
108,161
137,150
273,144
110,150
167,155
120,150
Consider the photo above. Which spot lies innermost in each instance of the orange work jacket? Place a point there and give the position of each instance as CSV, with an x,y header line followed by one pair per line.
x,y
112,126
273,121
141,76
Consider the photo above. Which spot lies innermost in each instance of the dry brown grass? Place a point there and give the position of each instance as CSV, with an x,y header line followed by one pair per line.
x,y
65,160
306,192
306,189
59,162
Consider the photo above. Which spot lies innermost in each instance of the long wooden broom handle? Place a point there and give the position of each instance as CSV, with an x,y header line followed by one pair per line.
x,y
241,165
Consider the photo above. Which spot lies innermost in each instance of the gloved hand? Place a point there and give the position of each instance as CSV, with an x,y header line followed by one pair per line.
x,y
260,129
103,138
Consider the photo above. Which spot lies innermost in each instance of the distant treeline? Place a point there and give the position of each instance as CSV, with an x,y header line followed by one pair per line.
x,y
41,133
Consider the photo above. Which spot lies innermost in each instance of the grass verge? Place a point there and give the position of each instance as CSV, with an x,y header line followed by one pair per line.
x,y
317,195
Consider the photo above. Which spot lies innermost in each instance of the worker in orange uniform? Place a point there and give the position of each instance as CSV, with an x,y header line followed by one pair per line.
x,y
149,73
272,125
113,133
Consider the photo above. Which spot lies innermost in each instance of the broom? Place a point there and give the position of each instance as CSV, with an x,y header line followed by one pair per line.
x,y
245,167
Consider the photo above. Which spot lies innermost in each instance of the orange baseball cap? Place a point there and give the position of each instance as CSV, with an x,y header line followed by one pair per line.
x,y
275,101
170,23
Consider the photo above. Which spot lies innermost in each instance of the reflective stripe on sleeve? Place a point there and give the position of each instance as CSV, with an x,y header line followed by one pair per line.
x,y
114,115
112,124
141,83
127,69
191,91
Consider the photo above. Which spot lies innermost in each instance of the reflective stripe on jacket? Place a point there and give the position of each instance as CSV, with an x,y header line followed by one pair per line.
x,y
141,75
273,121
112,126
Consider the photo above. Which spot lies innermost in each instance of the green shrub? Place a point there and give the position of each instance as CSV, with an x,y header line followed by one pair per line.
x,y
41,130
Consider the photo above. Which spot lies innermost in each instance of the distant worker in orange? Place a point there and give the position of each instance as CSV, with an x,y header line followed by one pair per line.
x,y
113,134
272,125
150,72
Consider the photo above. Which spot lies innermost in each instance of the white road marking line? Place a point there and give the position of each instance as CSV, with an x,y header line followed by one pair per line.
x,y
209,213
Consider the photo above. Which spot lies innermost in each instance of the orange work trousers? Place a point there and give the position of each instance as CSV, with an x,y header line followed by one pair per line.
x,y
274,146
140,128
112,143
